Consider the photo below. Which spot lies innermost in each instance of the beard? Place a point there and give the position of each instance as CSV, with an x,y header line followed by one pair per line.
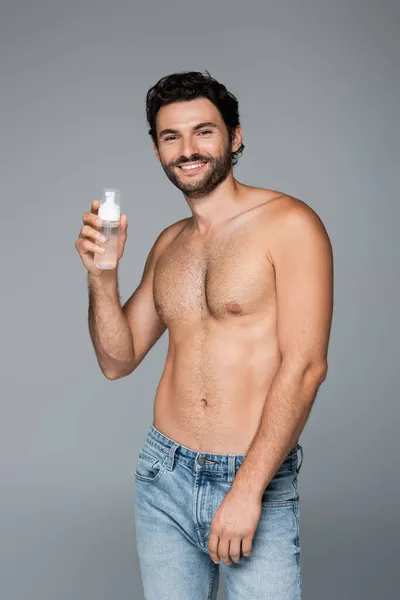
x,y
198,186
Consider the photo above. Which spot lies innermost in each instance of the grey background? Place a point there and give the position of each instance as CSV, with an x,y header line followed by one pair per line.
x,y
318,93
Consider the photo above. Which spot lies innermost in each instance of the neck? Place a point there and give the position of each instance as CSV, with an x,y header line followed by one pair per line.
x,y
221,204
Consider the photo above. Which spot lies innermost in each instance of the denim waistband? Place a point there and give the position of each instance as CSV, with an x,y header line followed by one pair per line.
x,y
193,458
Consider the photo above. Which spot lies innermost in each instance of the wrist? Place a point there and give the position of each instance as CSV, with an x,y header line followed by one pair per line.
x,y
107,280
103,276
248,482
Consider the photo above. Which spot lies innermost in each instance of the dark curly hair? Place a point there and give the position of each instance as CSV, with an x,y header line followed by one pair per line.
x,y
188,85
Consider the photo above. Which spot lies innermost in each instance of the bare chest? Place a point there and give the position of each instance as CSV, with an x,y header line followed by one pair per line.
x,y
229,276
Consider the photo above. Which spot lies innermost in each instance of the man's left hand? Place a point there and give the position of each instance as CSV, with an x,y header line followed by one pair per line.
x,y
233,526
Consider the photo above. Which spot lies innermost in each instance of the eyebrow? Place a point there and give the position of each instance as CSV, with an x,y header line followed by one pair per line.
x,y
195,128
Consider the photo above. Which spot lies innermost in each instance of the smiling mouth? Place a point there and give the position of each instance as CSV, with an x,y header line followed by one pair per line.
x,y
192,167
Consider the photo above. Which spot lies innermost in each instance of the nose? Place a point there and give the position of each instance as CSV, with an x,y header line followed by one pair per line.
x,y
188,147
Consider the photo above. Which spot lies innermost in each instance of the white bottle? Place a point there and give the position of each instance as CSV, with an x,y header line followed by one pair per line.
x,y
109,212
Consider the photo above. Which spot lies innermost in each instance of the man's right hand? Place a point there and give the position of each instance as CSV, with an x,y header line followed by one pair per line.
x,y
90,239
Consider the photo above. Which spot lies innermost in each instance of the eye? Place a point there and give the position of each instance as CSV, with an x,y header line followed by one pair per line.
x,y
172,137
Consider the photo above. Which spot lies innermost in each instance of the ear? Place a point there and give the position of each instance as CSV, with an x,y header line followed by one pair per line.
x,y
237,138
156,151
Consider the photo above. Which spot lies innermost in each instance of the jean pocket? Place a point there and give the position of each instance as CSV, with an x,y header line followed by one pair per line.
x,y
282,489
150,466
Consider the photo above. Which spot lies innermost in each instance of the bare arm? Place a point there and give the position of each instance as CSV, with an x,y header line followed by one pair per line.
x,y
122,336
108,326
303,261
140,313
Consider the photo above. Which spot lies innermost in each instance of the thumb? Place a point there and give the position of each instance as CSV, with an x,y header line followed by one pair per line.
x,y
124,222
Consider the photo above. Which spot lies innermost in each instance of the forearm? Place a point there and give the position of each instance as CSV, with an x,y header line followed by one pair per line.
x,y
108,326
285,413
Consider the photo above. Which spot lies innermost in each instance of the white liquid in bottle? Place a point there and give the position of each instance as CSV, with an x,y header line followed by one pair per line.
x,y
109,212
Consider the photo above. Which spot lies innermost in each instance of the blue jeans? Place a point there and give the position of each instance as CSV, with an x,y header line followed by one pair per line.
x,y
177,493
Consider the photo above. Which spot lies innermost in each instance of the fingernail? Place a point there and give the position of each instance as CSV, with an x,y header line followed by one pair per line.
x,y
98,222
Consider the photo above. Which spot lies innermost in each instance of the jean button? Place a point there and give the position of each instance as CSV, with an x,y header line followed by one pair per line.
x,y
201,460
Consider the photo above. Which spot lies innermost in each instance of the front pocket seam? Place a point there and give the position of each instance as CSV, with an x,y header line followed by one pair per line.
x,y
152,461
283,503
148,457
277,504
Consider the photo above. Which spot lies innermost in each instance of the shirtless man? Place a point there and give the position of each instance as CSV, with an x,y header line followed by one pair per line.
x,y
244,287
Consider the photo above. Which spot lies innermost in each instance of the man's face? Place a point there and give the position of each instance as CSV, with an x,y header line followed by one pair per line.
x,y
193,133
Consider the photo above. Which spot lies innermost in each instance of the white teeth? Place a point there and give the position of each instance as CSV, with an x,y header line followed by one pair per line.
x,y
192,166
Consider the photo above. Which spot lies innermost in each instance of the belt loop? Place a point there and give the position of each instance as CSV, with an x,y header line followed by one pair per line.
x,y
171,456
301,462
231,468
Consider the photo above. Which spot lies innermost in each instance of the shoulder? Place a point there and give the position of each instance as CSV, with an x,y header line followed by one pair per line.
x,y
283,209
167,236
285,214
293,224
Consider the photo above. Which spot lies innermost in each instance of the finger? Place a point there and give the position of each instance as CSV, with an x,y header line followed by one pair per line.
x,y
89,246
90,218
234,548
89,232
246,545
223,549
213,546
95,206
124,222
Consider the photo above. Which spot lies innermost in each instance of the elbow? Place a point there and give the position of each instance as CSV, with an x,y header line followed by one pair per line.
x,y
311,374
311,379
112,376
322,371
318,371
311,370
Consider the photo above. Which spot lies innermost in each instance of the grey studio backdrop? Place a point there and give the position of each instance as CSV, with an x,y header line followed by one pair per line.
x,y
318,94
